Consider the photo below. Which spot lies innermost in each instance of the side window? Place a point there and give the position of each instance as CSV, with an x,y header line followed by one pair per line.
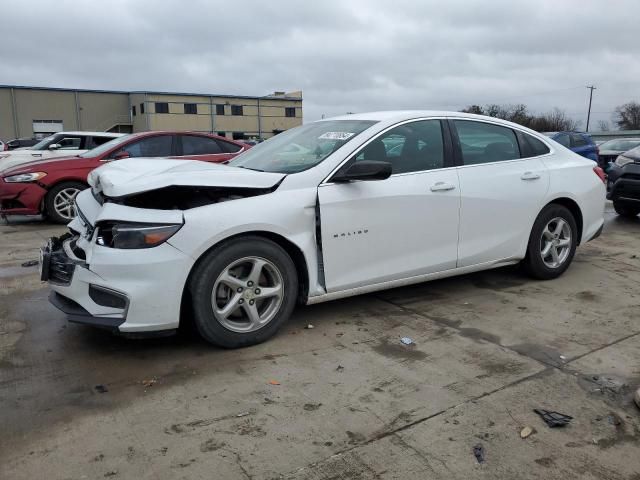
x,y
486,142
228,147
531,146
93,142
159,146
195,145
563,140
412,147
70,143
578,140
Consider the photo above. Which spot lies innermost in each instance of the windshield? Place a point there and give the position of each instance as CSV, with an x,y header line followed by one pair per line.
x,y
620,145
105,147
45,142
302,147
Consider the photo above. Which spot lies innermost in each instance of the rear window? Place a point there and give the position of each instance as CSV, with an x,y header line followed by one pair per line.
x,y
530,146
578,140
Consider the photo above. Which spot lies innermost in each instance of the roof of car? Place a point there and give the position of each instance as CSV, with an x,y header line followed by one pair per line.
x,y
95,134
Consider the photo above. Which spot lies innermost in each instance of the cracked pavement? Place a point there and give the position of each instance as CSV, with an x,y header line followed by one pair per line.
x,y
342,400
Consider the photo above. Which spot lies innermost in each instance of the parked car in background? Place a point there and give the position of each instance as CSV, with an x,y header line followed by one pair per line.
x,y
623,183
50,186
611,149
57,145
3,146
17,143
240,244
578,142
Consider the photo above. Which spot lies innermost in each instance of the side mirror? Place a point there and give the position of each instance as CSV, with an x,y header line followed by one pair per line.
x,y
54,146
121,155
364,170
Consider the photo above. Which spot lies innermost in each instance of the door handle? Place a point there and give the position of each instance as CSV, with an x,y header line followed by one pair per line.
x,y
530,176
442,187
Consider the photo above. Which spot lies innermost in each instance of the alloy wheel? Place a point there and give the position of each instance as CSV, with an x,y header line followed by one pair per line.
x,y
555,242
64,203
247,294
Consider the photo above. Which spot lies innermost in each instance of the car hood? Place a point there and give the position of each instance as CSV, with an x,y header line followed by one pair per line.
x,y
126,177
611,152
20,164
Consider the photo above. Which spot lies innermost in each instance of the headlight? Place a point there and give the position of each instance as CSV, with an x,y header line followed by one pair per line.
x,y
134,235
25,177
621,161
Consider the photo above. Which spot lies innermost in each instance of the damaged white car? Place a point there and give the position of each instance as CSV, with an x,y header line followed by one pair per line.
x,y
330,209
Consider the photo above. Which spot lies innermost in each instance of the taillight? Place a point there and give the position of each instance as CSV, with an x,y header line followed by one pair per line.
x,y
600,173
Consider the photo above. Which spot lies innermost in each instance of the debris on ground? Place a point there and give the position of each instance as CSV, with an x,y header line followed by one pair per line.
x,y
309,327
30,263
636,397
340,368
274,382
614,419
149,383
562,357
553,419
243,414
406,341
101,389
478,452
111,473
526,431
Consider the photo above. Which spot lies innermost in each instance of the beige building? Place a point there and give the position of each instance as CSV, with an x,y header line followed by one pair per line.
x,y
40,111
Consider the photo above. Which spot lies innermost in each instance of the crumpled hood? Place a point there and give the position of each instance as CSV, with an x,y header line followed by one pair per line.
x,y
125,177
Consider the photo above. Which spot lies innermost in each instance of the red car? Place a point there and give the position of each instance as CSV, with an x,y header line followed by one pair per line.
x,y
49,187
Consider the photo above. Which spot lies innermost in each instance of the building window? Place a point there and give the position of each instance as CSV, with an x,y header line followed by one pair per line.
x,y
142,109
222,134
162,107
219,109
238,135
133,110
290,111
191,108
236,110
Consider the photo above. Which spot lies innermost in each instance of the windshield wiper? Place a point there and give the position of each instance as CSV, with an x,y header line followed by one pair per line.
x,y
249,168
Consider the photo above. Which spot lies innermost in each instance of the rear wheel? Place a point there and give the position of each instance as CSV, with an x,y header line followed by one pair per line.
x,y
59,203
626,210
243,291
552,243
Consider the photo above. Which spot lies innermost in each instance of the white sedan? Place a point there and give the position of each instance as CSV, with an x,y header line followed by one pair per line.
x,y
237,246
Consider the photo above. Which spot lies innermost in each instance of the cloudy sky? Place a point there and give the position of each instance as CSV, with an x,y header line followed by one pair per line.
x,y
346,55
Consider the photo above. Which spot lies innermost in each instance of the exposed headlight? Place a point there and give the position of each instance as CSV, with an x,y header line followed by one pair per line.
x,y
25,177
134,235
621,161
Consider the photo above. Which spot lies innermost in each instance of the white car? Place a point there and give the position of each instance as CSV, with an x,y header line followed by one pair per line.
x,y
57,145
237,245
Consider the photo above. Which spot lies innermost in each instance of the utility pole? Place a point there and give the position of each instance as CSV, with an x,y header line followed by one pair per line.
x,y
591,88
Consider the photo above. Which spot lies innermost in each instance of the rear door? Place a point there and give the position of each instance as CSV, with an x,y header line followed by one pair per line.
x,y
406,225
502,186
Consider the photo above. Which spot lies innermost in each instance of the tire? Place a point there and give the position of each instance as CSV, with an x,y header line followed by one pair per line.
x,y
56,204
625,210
228,271
561,237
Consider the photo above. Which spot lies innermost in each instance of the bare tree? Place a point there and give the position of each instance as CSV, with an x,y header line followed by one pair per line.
x,y
603,125
554,121
627,116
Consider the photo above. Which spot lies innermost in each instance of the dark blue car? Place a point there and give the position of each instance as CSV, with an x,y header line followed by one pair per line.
x,y
579,142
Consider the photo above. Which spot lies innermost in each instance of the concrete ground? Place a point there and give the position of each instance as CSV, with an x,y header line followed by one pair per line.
x,y
342,400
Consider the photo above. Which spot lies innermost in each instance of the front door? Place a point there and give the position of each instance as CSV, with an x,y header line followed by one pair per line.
x,y
406,225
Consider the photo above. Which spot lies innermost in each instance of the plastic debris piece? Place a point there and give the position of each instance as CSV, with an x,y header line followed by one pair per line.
x,y
562,357
525,432
30,263
478,452
274,382
340,368
406,340
149,383
309,327
243,414
636,397
101,389
553,419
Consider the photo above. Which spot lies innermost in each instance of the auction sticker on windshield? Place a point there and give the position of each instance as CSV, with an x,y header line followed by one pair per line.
x,y
336,135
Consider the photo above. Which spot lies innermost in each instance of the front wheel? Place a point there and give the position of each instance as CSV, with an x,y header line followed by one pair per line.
x,y
625,210
552,243
243,291
59,204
